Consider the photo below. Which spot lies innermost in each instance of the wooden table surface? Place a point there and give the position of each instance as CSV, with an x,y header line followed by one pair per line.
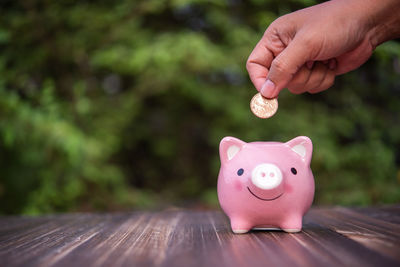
x,y
334,236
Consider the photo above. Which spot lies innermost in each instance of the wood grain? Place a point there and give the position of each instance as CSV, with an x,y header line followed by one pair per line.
x,y
334,236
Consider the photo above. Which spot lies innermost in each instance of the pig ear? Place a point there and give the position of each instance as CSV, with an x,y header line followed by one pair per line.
x,y
229,147
302,146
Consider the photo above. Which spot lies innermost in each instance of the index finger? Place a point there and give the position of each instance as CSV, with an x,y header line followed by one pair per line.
x,y
258,64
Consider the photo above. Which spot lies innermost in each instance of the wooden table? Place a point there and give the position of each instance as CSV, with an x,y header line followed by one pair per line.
x,y
331,237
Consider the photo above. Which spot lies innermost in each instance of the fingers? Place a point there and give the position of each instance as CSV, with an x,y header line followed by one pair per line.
x,y
285,66
298,84
258,64
314,80
327,82
290,68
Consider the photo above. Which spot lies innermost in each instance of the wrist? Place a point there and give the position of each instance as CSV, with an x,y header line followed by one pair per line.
x,y
384,21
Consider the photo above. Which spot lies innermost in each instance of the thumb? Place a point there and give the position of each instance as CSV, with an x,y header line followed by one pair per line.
x,y
285,66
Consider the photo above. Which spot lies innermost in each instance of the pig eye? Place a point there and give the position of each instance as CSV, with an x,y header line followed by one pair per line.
x,y
240,172
294,171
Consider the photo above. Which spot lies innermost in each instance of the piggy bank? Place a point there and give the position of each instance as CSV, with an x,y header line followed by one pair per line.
x,y
265,185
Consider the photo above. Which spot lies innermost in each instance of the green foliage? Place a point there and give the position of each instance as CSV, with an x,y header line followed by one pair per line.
x,y
112,105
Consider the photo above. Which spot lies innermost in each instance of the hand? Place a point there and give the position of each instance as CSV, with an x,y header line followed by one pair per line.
x,y
305,50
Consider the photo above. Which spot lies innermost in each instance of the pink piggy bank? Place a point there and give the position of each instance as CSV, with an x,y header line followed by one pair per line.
x,y
265,185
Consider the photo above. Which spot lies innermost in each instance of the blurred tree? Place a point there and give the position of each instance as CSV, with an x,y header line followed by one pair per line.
x,y
111,105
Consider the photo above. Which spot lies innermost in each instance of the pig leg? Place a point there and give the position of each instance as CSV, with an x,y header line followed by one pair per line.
x,y
240,226
292,224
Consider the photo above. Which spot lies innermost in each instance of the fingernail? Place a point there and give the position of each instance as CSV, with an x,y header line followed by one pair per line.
x,y
268,89
332,64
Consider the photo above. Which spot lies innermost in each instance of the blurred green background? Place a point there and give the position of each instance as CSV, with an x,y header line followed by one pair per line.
x,y
120,105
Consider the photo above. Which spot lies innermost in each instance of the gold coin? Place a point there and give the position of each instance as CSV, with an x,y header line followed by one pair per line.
x,y
263,107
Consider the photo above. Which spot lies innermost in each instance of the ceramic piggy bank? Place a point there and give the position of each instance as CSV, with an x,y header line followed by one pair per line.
x,y
265,185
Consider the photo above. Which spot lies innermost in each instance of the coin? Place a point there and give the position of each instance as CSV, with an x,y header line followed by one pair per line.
x,y
263,107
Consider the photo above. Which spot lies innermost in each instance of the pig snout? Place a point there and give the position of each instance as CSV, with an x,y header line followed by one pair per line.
x,y
266,182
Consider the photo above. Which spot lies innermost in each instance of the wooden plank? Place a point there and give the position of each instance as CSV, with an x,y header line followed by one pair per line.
x,y
376,234
331,237
389,214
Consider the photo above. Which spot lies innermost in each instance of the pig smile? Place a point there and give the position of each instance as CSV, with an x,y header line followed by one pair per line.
x,y
264,199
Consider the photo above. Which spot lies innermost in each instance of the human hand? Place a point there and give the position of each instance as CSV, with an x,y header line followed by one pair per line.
x,y
306,49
